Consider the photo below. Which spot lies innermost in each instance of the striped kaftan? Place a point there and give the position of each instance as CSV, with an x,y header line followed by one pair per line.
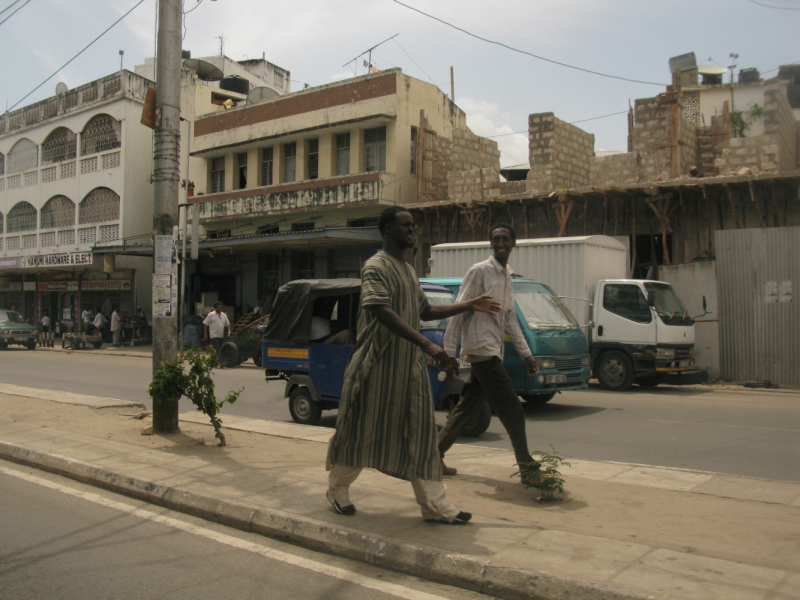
x,y
386,419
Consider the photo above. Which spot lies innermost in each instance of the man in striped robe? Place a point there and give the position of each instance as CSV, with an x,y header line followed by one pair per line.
x,y
386,419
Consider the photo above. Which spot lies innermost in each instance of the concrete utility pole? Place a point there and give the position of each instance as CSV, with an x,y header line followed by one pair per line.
x,y
166,179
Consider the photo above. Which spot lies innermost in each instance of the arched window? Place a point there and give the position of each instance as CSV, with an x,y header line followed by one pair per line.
x,y
59,211
101,133
99,205
60,145
22,217
2,164
24,156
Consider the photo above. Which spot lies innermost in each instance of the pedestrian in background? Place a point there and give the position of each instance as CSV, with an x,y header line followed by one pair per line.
x,y
99,323
87,317
214,327
482,344
45,337
116,328
386,420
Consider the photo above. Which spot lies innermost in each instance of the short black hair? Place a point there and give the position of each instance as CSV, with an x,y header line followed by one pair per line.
x,y
503,225
216,304
388,216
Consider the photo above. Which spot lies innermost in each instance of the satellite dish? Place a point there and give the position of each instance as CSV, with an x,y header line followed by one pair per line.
x,y
61,88
711,70
205,70
260,94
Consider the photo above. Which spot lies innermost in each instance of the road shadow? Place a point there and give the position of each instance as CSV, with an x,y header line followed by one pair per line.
x,y
557,411
660,390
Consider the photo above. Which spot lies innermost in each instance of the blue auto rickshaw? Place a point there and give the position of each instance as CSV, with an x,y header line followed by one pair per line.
x,y
314,370
554,336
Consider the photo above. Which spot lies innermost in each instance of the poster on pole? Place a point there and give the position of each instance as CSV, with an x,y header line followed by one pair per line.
x,y
165,292
162,295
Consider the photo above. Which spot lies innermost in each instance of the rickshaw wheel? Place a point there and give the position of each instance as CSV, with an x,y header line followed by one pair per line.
x,y
229,355
480,422
303,409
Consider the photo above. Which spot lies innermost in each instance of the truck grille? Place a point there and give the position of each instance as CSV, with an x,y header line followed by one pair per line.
x,y
685,352
568,364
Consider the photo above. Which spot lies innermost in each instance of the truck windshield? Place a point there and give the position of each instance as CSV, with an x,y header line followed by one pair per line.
x,y
437,297
11,317
669,307
540,308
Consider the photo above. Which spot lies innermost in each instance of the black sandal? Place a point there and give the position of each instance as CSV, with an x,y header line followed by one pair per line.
x,y
460,519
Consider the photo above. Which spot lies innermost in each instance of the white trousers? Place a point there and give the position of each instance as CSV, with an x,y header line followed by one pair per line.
x,y
429,493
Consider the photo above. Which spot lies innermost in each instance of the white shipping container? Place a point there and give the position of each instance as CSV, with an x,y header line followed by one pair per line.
x,y
572,266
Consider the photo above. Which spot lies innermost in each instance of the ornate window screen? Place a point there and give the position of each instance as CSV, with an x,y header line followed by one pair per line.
x,y
48,175
2,185
59,211
12,243
99,205
89,165
47,240
1,222
22,217
87,235
14,182
2,164
66,237
1,244
24,156
111,161
109,233
68,170
31,178
29,242
102,133
59,146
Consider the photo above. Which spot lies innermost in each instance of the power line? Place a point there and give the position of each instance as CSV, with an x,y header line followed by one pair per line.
x,y
74,57
622,112
15,12
415,62
9,6
771,6
555,62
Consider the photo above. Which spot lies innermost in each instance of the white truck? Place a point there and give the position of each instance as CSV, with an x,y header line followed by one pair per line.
x,y
638,330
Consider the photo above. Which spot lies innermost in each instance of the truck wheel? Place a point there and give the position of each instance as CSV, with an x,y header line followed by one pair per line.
x,y
31,346
257,359
615,371
538,398
229,355
650,381
303,409
3,346
478,424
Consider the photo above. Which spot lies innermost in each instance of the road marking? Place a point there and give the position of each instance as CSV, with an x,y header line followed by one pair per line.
x,y
724,425
297,561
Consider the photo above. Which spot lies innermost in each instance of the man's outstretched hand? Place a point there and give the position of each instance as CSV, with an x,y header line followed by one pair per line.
x,y
532,366
485,304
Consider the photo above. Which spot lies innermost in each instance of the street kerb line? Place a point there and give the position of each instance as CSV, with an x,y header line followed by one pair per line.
x,y
222,538
725,425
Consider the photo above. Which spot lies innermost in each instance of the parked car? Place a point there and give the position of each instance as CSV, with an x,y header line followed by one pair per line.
x,y
14,330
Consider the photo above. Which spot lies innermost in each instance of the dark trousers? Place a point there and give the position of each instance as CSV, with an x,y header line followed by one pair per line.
x,y
488,380
217,344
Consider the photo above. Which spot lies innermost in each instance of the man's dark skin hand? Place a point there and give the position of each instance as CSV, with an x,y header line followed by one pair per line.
x,y
502,244
397,237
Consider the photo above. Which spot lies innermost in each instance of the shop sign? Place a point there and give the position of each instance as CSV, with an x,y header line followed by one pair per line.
x,y
7,285
57,286
114,284
62,276
9,263
57,260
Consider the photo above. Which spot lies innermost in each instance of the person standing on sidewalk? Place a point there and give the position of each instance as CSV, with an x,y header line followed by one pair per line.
x,y
214,327
99,323
482,340
45,341
386,420
116,328
86,317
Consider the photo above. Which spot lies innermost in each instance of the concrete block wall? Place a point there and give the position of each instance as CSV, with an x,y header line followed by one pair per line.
x,y
779,121
560,153
750,156
468,148
466,185
615,169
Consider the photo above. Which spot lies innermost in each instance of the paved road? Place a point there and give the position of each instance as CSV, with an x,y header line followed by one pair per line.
x,y
61,539
755,434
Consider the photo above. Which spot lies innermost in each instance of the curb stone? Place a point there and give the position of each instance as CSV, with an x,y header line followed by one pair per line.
x,y
508,583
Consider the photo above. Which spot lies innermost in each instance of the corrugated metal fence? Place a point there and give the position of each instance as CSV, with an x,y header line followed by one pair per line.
x,y
758,273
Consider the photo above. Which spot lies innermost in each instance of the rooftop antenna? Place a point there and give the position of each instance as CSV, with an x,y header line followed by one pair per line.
x,y
369,51
121,54
221,37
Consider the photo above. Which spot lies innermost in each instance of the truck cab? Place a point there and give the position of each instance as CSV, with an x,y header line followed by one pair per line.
x,y
642,334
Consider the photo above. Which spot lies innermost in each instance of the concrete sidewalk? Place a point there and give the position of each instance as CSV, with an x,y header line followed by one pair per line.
x,y
625,531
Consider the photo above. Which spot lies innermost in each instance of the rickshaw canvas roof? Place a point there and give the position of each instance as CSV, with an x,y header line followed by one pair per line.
x,y
290,317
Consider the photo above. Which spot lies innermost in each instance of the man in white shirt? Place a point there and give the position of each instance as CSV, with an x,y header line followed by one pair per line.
x,y
116,329
214,327
482,346
99,322
86,316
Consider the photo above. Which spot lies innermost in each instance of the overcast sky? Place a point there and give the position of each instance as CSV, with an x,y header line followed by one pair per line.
x,y
497,87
